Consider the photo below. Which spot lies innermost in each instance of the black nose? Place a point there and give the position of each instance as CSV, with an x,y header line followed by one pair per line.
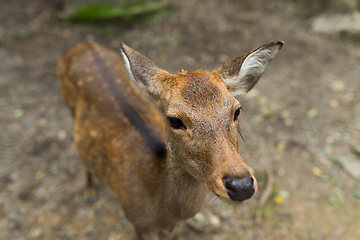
x,y
239,189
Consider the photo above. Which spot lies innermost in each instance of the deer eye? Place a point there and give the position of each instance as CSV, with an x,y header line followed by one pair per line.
x,y
237,113
175,123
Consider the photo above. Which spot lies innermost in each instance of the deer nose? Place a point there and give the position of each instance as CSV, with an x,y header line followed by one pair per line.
x,y
239,189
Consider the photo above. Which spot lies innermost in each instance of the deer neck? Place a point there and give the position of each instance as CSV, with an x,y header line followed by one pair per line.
x,y
186,193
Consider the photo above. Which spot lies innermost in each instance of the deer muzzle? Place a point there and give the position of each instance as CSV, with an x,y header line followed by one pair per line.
x,y
239,189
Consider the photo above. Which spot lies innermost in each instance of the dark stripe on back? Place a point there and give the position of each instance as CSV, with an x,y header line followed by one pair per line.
x,y
109,76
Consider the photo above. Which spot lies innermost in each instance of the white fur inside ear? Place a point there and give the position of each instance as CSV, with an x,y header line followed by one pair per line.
x,y
256,62
233,85
127,66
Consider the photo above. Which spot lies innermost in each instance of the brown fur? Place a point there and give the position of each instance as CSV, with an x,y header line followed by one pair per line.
x,y
160,175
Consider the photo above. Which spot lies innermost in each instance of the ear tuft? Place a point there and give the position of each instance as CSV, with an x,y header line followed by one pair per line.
x,y
242,73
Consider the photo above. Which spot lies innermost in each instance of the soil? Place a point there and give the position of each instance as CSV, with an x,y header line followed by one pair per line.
x,y
302,118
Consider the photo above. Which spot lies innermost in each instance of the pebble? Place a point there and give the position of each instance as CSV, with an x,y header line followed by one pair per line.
x,y
351,166
36,232
199,217
213,219
356,149
317,171
337,86
62,135
281,147
333,103
336,23
14,176
113,236
42,122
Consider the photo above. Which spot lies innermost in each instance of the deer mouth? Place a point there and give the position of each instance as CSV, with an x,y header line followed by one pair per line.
x,y
229,201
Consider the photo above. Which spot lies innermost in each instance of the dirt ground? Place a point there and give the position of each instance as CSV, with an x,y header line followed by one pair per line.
x,y
302,119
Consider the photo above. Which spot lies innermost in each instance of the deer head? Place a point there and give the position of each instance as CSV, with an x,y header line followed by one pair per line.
x,y
202,116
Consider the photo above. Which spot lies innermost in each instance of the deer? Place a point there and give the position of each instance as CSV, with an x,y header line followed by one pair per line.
x,y
163,149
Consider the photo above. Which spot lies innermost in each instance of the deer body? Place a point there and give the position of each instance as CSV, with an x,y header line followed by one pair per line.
x,y
160,157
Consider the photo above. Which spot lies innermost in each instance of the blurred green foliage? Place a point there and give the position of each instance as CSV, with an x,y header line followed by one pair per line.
x,y
128,12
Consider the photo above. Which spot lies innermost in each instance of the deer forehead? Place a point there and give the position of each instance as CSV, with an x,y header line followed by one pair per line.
x,y
199,91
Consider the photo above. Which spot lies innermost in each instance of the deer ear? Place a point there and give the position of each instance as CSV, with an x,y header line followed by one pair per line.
x,y
141,69
243,72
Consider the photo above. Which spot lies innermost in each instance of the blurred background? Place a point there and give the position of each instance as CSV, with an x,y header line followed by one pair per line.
x,y
302,124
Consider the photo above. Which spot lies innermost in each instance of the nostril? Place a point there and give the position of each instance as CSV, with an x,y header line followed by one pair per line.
x,y
239,189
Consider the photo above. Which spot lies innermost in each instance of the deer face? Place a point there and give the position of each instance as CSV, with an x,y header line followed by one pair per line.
x,y
202,117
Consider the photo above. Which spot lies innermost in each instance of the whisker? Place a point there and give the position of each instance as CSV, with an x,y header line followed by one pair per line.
x,y
240,132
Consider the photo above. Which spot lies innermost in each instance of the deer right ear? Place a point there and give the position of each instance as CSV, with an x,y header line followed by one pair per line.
x,y
243,72
141,69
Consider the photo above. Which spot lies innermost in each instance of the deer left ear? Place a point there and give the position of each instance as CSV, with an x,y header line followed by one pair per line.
x,y
243,72
142,70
